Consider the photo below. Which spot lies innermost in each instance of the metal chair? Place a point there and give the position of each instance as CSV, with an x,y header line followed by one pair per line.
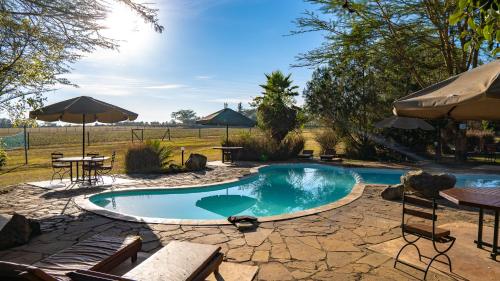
x,y
421,230
106,169
92,166
59,168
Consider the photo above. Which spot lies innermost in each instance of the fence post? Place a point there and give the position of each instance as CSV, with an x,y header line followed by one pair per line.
x,y
88,138
25,147
168,130
199,133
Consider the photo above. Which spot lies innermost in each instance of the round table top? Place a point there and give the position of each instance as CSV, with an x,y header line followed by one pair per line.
x,y
81,159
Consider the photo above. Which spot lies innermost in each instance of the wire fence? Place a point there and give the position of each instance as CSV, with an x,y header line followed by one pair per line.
x,y
13,138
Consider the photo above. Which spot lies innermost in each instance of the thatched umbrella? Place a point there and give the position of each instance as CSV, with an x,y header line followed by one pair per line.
x,y
404,123
83,110
472,95
227,117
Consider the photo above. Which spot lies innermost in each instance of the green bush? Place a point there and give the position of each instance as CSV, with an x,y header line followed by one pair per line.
x,y
3,157
149,157
265,148
327,139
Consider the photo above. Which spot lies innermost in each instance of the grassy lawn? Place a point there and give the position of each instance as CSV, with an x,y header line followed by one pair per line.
x,y
39,167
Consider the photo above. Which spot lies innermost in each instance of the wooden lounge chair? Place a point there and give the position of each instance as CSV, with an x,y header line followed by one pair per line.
x,y
178,261
99,253
330,155
306,154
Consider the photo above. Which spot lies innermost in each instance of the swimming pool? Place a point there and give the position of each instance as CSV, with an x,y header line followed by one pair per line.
x,y
275,190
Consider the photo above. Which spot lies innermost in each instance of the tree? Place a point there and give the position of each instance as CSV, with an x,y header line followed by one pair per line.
x,y
276,110
415,35
185,116
483,19
39,39
342,96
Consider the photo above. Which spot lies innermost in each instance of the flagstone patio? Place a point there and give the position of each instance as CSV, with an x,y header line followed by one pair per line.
x,y
339,244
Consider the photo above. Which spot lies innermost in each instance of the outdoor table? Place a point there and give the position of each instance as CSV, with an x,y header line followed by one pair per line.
x,y
228,150
77,160
482,198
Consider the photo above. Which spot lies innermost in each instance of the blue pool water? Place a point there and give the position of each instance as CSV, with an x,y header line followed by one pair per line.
x,y
275,190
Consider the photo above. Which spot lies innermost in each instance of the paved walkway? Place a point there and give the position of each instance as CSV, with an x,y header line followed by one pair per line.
x,y
332,245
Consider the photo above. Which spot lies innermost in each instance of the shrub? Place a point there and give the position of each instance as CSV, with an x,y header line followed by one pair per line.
x,y
264,148
149,157
3,157
326,139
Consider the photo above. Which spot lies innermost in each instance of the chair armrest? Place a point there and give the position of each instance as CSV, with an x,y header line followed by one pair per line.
x,y
89,275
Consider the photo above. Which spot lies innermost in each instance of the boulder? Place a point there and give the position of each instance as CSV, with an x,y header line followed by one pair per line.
x,y
196,162
16,230
394,192
426,184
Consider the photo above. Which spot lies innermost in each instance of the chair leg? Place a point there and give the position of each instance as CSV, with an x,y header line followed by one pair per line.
x,y
433,259
401,250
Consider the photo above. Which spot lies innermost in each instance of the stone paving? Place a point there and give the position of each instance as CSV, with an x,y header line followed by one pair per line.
x,y
332,245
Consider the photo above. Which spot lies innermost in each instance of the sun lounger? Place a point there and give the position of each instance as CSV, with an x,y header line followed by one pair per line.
x,y
99,253
306,154
330,155
178,261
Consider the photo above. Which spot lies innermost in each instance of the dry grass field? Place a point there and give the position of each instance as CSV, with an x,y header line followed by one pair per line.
x,y
105,140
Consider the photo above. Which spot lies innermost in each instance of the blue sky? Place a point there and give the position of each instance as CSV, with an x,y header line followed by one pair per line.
x,y
211,52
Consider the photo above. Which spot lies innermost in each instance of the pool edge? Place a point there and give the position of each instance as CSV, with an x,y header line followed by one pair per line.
x,y
84,203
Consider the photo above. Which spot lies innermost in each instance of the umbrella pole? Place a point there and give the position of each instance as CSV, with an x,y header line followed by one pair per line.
x,y
83,137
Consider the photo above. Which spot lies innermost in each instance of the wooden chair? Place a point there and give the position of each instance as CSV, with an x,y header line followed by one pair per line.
x,y
98,253
177,261
422,230
59,168
306,154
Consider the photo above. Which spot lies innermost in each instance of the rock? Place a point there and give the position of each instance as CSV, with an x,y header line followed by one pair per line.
x,y
257,237
16,230
426,184
196,162
394,192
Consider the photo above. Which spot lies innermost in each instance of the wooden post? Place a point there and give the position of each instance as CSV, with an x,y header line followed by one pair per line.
x,y
199,133
88,138
28,140
168,130
25,147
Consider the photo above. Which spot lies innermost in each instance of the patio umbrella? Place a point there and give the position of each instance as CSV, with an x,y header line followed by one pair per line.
x,y
226,205
404,123
227,117
82,110
472,95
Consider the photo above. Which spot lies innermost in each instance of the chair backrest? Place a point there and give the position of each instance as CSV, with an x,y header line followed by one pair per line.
x,y
21,272
92,154
330,151
491,148
55,156
421,204
307,151
97,160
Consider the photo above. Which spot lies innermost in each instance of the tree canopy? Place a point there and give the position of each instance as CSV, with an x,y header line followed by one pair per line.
x,y
185,116
39,39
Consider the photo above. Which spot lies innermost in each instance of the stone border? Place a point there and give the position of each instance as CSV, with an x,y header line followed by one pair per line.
x,y
84,203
